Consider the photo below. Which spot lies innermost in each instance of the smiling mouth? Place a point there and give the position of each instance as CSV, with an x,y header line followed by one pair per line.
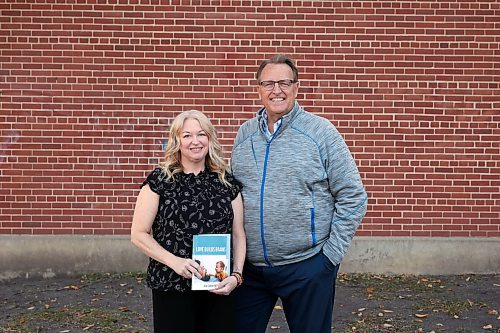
x,y
277,99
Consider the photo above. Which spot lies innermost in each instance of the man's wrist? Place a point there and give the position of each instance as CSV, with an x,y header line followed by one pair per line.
x,y
239,278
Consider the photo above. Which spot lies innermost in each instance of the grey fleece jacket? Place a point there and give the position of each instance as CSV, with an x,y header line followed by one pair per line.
x,y
302,191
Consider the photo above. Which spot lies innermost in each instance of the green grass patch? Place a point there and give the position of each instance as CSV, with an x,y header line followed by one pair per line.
x,y
80,318
452,307
371,322
390,287
96,277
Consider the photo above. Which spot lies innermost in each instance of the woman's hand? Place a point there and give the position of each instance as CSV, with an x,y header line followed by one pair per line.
x,y
185,267
226,286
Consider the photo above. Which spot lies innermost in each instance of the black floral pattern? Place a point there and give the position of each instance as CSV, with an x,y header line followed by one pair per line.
x,y
189,205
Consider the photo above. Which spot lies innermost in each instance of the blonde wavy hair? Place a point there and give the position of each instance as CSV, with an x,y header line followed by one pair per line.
x,y
214,161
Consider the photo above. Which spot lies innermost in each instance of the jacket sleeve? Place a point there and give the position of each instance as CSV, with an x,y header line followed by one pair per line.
x,y
348,193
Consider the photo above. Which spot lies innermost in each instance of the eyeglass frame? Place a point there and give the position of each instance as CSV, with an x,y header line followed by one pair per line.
x,y
289,82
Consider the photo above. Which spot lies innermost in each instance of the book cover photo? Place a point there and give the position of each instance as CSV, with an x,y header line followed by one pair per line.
x,y
213,253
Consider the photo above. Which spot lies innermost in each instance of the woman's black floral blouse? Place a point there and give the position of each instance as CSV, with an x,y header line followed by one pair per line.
x,y
189,205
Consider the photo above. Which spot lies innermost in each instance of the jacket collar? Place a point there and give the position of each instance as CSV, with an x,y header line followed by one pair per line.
x,y
285,120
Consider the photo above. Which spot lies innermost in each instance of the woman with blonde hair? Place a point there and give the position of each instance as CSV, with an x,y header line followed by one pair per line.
x,y
190,193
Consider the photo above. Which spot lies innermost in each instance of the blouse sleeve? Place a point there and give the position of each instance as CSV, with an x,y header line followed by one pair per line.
x,y
154,180
236,186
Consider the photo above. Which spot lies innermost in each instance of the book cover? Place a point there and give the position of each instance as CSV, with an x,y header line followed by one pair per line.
x,y
213,253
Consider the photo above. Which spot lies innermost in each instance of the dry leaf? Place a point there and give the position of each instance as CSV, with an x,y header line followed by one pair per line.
x,y
278,307
387,325
73,287
488,327
423,315
88,327
275,327
492,312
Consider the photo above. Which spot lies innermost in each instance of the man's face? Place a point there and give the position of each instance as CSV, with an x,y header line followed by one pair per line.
x,y
277,101
218,268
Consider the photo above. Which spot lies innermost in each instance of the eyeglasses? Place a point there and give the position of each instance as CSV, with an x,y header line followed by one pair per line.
x,y
283,84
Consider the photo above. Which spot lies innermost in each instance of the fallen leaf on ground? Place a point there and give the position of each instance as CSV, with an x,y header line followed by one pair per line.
x,y
423,315
73,287
492,312
488,327
278,307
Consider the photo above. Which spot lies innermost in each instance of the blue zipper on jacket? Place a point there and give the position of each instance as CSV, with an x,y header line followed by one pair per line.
x,y
262,186
263,183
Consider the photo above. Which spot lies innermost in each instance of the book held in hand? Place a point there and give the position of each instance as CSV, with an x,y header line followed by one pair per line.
x,y
213,253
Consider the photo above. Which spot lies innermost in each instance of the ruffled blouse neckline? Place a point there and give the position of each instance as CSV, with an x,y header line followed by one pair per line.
x,y
192,175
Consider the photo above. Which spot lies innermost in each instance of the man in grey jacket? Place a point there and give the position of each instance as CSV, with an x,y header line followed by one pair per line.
x,y
303,201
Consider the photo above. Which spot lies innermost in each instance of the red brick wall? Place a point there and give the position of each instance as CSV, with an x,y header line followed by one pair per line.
x,y
88,89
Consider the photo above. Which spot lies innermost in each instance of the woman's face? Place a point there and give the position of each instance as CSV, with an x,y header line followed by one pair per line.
x,y
194,142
